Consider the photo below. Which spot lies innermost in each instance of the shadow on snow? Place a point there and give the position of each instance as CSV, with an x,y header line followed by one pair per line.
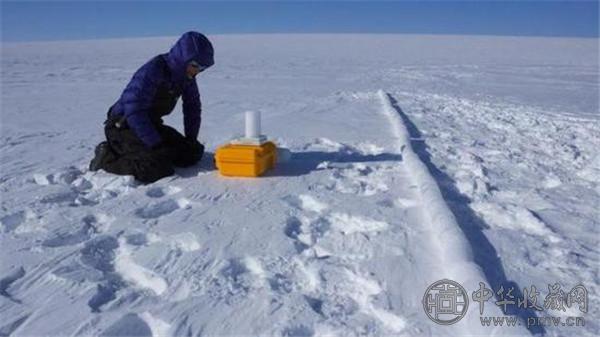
x,y
300,163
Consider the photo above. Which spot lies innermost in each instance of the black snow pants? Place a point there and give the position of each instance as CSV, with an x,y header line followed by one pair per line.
x,y
130,156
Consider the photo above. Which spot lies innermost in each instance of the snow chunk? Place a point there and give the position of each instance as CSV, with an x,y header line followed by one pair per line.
x,y
42,179
158,326
362,289
311,204
136,274
185,241
254,266
367,148
349,224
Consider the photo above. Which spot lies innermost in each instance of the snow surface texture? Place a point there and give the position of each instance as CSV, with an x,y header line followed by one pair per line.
x,y
413,159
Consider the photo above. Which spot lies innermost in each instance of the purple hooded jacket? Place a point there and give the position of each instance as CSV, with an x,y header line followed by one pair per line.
x,y
155,87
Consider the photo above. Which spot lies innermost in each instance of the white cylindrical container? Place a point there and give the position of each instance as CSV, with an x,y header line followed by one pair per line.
x,y
252,124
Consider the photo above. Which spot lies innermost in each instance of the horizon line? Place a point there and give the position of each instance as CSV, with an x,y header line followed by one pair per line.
x,y
17,41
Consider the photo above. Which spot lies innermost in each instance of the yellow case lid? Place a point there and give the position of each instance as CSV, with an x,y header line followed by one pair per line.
x,y
243,153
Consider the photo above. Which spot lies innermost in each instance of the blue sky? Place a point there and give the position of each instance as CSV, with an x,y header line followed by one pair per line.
x,y
53,20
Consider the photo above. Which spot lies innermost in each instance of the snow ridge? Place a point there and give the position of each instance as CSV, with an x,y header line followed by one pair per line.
x,y
451,248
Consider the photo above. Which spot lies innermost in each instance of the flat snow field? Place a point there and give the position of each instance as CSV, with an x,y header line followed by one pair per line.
x,y
413,159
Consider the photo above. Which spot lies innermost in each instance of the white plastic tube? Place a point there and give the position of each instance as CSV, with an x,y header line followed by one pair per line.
x,y
252,124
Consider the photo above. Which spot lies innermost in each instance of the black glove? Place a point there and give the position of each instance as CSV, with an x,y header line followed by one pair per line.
x,y
195,148
190,153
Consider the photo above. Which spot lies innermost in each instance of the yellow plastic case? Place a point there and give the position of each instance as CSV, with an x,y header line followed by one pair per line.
x,y
236,160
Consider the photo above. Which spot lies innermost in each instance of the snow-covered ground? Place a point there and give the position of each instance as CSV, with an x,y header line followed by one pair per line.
x,y
414,159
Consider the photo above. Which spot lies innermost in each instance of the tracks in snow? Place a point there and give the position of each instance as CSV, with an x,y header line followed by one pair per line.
x,y
357,246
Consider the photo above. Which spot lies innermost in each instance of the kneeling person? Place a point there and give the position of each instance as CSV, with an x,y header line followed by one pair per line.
x,y
137,142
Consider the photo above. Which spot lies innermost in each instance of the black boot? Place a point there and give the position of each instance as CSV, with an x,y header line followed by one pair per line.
x,y
102,155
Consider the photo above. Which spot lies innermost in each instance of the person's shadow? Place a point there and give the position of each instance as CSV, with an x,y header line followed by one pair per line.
x,y
298,163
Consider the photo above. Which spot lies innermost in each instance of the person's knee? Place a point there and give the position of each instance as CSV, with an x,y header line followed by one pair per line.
x,y
145,168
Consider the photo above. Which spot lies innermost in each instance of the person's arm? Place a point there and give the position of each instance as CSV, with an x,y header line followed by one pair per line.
x,y
137,100
192,110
